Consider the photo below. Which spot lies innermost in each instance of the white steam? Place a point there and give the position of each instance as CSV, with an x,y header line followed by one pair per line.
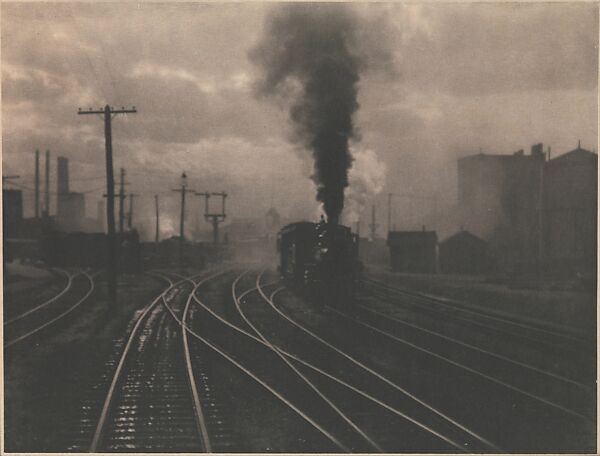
x,y
367,179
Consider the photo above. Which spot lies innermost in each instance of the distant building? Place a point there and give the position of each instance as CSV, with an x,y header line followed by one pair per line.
x,y
499,200
12,213
534,213
72,211
463,253
62,175
374,251
570,211
413,251
70,206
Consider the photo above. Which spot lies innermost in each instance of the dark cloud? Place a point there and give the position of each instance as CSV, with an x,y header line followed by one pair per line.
x,y
495,76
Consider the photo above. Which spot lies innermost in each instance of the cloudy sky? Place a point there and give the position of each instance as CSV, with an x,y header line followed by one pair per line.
x,y
495,78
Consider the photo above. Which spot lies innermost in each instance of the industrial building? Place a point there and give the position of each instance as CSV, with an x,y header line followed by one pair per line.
x,y
70,206
536,213
570,212
464,253
499,200
12,212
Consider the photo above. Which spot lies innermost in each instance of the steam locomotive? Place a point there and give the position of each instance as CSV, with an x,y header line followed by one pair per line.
x,y
320,260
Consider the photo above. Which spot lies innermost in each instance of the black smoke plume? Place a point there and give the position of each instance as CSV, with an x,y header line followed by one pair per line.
x,y
310,60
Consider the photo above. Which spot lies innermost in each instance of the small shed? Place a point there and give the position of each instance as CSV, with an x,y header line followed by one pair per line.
x,y
464,253
413,251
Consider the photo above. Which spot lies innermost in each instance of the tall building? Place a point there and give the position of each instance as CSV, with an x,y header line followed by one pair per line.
x,y
62,175
70,206
570,211
499,200
12,212
534,213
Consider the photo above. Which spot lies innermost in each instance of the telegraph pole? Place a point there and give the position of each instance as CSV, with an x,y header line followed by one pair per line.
x,y
121,198
183,191
107,113
214,218
47,193
157,219
37,184
130,214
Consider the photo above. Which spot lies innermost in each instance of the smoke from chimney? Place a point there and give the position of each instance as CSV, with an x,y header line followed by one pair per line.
x,y
312,57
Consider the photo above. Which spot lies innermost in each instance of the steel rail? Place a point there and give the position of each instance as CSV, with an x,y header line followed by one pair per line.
x,y
324,373
462,366
61,315
256,378
511,331
237,301
381,377
67,287
481,350
116,376
529,323
200,420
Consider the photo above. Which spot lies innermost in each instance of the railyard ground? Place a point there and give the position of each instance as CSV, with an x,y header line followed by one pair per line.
x,y
44,383
557,302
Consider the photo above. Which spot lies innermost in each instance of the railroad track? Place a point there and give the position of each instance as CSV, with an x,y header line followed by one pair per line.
x,y
150,405
29,305
334,392
535,331
264,379
35,320
565,395
434,424
26,292
545,359
413,350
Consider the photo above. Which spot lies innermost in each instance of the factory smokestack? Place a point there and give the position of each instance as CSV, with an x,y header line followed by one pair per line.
x,y
310,59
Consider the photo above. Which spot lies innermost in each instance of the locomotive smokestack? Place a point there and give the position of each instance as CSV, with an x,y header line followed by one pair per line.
x,y
310,59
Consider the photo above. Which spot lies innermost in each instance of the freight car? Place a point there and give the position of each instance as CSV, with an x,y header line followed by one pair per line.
x,y
320,260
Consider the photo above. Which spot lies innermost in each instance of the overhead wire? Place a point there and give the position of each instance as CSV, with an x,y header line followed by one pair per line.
x,y
25,187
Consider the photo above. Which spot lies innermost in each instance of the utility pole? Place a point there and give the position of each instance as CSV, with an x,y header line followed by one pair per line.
x,y
130,214
37,184
183,190
107,113
156,238
217,217
121,198
47,194
373,224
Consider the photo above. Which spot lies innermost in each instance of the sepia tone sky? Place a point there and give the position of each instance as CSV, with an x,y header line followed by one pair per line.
x,y
465,78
